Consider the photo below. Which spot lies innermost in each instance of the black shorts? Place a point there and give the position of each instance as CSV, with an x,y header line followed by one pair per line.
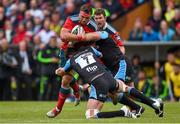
x,y
101,86
123,70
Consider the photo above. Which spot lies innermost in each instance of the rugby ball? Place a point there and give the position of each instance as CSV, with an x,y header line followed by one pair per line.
x,y
77,30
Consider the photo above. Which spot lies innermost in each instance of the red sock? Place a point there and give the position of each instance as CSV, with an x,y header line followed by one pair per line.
x,y
61,99
75,88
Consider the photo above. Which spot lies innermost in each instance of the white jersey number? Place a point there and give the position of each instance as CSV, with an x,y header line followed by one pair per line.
x,y
85,60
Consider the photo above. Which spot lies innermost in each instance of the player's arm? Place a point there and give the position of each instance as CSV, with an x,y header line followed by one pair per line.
x,y
119,42
93,36
122,48
66,34
62,71
116,37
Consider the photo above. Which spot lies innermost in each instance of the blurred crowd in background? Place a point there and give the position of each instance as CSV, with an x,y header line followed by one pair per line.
x,y
163,26
30,42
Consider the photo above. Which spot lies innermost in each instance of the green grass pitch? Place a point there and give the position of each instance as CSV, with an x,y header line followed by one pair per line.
x,y
35,112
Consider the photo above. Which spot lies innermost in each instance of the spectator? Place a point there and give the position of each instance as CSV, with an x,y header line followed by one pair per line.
x,y
175,82
55,23
29,28
37,66
142,84
38,20
33,6
9,32
69,10
47,8
24,72
21,9
165,34
149,34
99,4
61,5
177,35
45,34
155,20
27,16
167,68
176,19
8,63
114,8
6,4
13,16
49,58
170,12
137,31
127,4
20,34
136,67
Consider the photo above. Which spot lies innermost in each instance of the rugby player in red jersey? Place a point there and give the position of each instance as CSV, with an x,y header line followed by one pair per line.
x,y
84,39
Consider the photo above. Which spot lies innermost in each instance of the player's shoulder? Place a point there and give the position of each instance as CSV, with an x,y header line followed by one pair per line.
x,y
92,24
74,18
110,29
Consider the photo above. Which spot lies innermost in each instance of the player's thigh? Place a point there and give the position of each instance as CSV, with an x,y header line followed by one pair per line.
x,y
66,79
99,90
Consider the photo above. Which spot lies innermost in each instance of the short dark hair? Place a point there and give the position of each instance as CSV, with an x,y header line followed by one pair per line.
x,y
100,11
85,8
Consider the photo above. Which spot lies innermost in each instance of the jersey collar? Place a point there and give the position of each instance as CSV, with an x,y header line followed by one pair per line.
x,y
105,26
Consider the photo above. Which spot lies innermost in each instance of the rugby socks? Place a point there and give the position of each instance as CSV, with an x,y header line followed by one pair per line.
x,y
63,94
142,98
111,114
123,99
75,88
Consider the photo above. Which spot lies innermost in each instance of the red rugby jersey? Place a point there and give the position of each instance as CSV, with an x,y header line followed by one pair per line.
x,y
72,21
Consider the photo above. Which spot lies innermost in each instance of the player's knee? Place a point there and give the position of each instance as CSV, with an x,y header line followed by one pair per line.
x,y
122,86
125,88
91,113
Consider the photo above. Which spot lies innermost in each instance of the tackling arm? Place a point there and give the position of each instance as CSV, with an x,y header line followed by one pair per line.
x,y
93,36
62,71
122,48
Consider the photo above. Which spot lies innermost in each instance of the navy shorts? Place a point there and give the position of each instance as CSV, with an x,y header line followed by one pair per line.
x,y
101,86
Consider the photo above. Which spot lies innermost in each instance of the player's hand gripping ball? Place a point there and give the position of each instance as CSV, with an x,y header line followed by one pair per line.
x,y
77,30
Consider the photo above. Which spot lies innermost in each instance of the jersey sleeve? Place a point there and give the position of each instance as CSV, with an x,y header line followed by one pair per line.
x,y
68,24
67,66
116,37
98,54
